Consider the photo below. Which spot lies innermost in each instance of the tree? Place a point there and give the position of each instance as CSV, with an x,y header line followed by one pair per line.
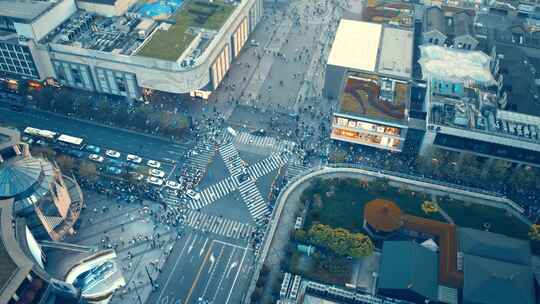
x,y
379,185
84,107
64,102
121,117
45,99
523,177
320,234
360,246
88,171
104,111
65,163
499,169
468,167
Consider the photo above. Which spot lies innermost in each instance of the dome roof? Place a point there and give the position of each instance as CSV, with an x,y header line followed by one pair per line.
x,y
383,215
18,175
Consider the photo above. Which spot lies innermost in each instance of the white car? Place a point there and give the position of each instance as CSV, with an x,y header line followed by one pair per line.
x,y
194,195
156,172
134,158
173,185
154,164
96,158
112,153
154,181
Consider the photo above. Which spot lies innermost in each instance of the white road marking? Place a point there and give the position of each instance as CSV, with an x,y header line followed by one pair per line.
x,y
236,276
174,267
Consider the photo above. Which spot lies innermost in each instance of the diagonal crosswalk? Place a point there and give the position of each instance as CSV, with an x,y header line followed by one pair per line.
x,y
218,225
267,165
252,198
231,158
215,192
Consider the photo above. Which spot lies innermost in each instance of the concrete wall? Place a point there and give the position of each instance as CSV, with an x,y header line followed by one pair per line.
x,y
48,21
333,80
118,9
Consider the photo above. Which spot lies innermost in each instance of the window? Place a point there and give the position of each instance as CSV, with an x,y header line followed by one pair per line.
x,y
76,76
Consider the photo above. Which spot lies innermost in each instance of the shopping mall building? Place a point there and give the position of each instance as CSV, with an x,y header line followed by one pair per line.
x,y
369,73
125,47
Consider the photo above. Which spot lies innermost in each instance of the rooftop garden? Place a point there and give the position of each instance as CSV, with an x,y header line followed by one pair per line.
x,y
362,97
170,44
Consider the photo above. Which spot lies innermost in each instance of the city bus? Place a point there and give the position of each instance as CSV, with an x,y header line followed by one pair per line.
x,y
40,133
71,140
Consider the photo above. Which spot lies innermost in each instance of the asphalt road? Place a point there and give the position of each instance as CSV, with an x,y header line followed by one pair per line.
x,y
201,268
116,139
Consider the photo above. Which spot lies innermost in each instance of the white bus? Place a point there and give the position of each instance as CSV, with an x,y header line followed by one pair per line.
x,y
40,133
71,140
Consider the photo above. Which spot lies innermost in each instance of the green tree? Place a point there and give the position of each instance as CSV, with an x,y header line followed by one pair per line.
x,y
45,99
523,177
499,170
320,234
468,168
84,108
64,102
104,112
361,245
379,185
88,171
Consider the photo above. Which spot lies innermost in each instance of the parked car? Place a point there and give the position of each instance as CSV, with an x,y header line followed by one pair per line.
x,y
156,172
93,149
154,164
173,185
112,153
96,158
134,158
154,181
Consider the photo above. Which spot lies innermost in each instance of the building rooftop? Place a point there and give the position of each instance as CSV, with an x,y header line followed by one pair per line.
x,y
496,282
494,246
171,43
477,112
106,2
396,53
447,241
24,10
455,65
367,98
18,175
434,20
356,45
407,265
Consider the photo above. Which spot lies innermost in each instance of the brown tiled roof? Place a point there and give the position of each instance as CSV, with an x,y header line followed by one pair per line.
x,y
448,273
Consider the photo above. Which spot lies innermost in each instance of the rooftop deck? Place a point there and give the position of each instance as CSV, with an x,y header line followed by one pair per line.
x,y
170,44
372,99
